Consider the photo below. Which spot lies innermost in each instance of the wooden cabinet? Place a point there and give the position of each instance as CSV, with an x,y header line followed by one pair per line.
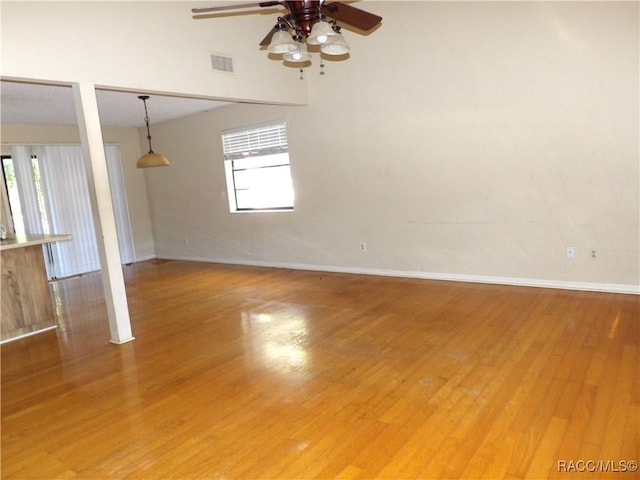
x,y
26,306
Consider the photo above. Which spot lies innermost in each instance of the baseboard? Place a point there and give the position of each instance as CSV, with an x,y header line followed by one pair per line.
x,y
29,334
451,277
120,342
144,259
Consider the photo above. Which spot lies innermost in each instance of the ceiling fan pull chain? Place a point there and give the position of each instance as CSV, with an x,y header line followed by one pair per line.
x,y
301,74
321,65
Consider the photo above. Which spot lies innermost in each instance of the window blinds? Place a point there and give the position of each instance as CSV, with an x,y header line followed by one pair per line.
x,y
254,141
56,200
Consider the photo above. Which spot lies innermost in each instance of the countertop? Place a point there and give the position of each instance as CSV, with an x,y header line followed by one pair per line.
x,y
20,241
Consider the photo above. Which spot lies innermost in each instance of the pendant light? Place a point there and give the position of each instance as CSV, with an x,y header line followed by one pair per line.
x,y
150,159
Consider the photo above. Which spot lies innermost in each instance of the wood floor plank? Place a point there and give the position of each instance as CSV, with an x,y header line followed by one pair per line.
x,y
243,372
545,457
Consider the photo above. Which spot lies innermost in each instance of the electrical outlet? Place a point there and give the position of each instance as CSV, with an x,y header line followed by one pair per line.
x,y
571,252
363,246
593,254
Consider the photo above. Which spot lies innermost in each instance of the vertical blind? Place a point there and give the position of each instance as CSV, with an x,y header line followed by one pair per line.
x,y
23,165
54,196
66,199
120,206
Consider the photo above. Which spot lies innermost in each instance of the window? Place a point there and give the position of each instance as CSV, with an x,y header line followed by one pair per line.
x,y
257,168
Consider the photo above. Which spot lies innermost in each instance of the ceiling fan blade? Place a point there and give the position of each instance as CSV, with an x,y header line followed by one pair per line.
x,y
351,15
232,7
267,40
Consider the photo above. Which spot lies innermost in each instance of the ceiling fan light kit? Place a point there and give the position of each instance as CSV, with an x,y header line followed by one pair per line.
x,y
306,23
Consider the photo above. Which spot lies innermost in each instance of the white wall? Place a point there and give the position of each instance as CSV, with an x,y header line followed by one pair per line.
x,y
460,140
142,46
130,151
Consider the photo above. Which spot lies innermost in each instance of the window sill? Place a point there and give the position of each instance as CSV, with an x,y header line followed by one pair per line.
x,y
275,210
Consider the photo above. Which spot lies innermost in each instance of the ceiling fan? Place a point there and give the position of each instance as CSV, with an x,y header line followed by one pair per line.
x,y
307,22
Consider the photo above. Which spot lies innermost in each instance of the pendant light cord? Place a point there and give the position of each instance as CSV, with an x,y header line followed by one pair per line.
x,y
146,120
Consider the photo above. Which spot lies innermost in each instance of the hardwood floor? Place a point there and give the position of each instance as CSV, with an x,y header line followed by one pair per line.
x,y
240,372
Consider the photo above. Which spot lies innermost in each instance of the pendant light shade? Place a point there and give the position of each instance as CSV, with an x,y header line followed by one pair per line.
x,y
150,159
282,42
320,33
299,55
336,45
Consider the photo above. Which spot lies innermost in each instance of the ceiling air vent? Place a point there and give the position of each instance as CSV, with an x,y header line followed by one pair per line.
x,y
221,63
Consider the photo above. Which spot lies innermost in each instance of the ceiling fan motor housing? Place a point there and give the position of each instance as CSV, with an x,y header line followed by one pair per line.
x,y
304,14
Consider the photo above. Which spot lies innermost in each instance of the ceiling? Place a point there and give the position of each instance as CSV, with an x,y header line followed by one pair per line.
x,y
49,104
30,103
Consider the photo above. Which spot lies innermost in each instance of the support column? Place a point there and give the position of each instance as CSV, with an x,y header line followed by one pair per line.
x,y
105,224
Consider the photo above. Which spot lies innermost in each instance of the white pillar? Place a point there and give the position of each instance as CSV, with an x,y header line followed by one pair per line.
x,y
105,224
